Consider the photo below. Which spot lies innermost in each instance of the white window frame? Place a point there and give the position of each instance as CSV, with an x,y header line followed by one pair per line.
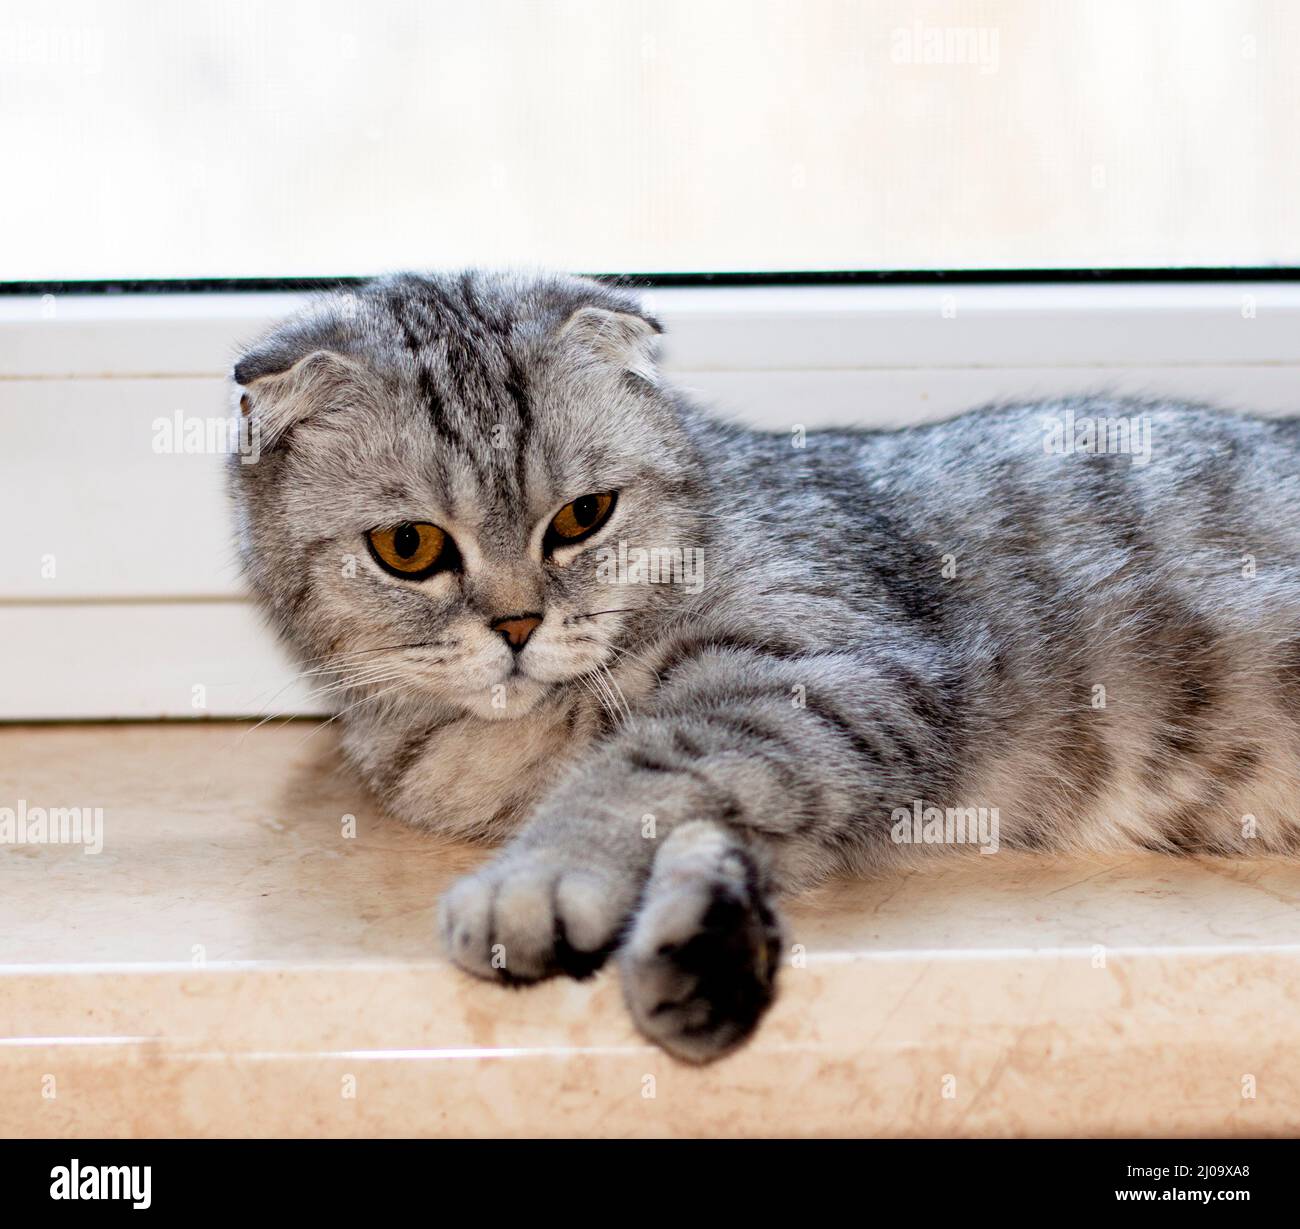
x,y
762,327
122,642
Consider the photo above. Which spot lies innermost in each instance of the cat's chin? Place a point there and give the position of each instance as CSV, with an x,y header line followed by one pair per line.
x,y
517,696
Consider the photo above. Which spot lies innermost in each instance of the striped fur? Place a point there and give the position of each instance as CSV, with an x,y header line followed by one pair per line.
x,y
1104,647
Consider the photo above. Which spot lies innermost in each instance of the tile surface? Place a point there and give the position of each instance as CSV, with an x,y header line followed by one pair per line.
x,y
234,963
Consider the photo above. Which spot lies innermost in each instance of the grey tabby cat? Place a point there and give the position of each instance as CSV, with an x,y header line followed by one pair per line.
x,y
454,470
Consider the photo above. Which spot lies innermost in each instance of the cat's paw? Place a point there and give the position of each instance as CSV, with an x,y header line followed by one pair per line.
x,y
534,913
699,967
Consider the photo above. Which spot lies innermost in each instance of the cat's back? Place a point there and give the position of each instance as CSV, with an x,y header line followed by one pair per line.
x,y
1079,467
1035,507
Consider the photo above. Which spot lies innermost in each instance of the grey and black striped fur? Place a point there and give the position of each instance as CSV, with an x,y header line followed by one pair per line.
x,y
1107,651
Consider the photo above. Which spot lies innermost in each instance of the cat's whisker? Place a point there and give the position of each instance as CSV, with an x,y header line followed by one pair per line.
x,y
312,694
614,704
355,653
301,676
635,657
590,688
343,711
612,683
602,691
344,684
366,674
337,667
387,674
269,717
279,691
309,696
358,684
591,614
383,648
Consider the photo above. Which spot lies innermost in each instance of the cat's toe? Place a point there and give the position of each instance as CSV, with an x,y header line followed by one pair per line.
x,y
699,968
524,918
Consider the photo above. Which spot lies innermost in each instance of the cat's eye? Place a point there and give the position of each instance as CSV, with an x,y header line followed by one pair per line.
x,y
412,550
579,519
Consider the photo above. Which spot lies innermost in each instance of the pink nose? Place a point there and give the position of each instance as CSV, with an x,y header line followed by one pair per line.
x,y
515,629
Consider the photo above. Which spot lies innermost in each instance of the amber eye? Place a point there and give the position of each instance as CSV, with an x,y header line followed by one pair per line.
x,y
412,550
579,519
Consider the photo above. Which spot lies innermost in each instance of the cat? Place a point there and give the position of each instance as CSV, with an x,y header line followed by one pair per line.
x,y
1079,620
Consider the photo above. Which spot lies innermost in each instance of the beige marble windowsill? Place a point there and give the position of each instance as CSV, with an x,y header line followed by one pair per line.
x,y
230,964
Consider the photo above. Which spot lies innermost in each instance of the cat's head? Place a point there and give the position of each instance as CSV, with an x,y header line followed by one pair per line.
x,y
446,469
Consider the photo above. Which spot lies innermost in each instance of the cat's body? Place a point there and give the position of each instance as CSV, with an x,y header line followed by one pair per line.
x,y
1102,650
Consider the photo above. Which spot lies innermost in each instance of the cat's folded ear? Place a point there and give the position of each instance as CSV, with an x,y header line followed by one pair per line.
x,y
627,340
292,374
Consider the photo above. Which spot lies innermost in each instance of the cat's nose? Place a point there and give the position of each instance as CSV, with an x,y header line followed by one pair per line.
x,y
515,629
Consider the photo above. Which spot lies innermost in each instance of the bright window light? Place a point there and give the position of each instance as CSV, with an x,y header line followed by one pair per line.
x,y
269,138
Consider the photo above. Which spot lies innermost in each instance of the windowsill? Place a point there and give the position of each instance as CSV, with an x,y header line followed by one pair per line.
x,y
229,960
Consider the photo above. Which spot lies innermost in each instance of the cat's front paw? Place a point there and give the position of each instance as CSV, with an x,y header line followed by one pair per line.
x,y
699,967
533,913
